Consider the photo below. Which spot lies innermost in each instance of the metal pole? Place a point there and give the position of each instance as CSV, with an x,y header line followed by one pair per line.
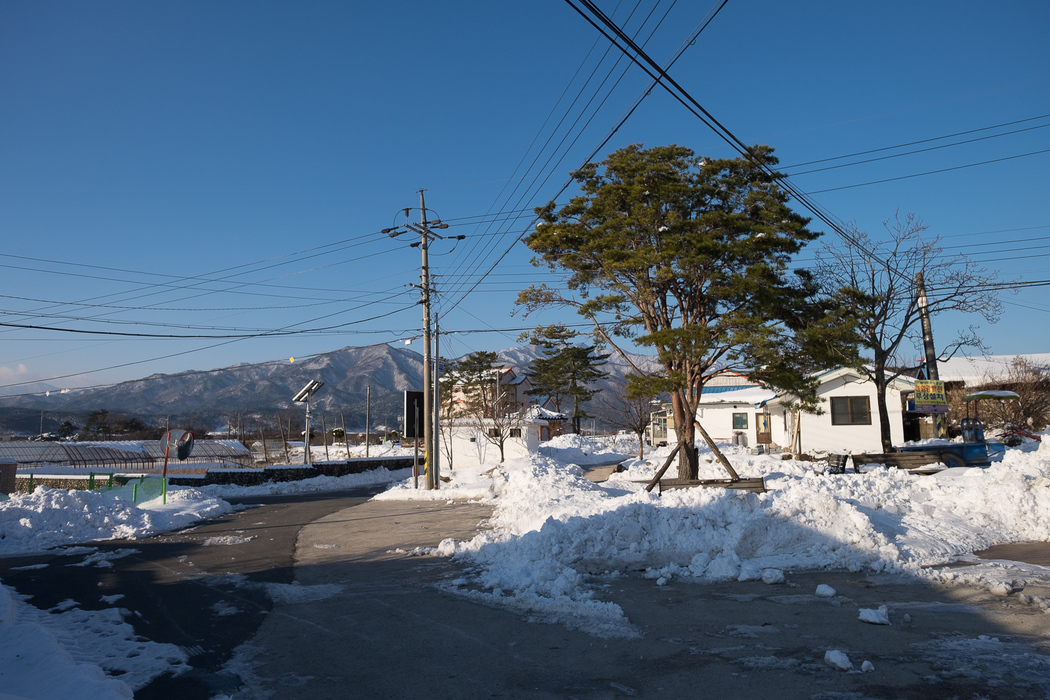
x,y
428,435
437,404
306,452
368,418
940,422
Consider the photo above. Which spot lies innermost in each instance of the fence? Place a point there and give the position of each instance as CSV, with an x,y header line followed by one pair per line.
x,y
134,489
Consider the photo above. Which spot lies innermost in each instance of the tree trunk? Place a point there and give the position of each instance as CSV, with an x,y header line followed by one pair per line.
x,y
880,402
688,463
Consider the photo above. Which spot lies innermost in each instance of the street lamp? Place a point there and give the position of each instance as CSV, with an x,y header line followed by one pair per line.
x,y
425,229
304,396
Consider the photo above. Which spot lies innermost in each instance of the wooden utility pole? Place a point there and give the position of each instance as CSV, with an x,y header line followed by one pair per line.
x,y
368,418
346,440
940,422
428,388
324,428
284,441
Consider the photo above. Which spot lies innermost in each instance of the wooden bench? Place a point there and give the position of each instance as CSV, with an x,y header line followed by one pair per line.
x,y
916,462
756,485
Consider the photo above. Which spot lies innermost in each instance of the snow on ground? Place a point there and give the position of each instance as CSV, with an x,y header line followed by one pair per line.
x,y
553,529
66,653
554,532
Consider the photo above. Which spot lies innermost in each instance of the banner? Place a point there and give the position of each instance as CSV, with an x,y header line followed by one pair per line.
x,y
929,397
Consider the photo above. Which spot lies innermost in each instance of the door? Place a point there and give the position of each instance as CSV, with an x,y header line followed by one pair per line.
x,y
763,429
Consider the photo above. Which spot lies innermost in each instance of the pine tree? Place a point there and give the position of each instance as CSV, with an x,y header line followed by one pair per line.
x,y
689,256
565,370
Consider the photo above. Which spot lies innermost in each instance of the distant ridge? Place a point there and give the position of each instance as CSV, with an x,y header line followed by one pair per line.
x,y
260,390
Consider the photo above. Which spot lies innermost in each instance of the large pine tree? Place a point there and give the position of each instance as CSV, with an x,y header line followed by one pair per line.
x,y
689,256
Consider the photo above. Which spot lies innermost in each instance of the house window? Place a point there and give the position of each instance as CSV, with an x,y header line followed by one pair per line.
x,y
493,432
850,410
739,421
515,432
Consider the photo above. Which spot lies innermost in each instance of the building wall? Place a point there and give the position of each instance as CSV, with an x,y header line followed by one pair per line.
x,y
818,434
718,421
471,446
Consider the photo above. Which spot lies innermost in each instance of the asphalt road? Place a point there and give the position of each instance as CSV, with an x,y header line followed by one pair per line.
x,y
381,627
390,632
176,584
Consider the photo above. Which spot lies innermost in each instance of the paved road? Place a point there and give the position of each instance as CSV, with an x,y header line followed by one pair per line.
x,y
389,632
177,584
380,627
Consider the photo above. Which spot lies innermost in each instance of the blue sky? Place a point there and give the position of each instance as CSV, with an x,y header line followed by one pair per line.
x,y
224,169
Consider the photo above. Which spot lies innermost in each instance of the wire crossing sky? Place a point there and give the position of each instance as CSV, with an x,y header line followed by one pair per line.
x,y
194,185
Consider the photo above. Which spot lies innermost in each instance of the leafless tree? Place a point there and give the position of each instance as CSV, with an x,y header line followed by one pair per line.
x,y
480,401
627,409
875,281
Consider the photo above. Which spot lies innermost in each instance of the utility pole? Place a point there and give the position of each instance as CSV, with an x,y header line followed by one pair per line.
x,y
368,419
436,457
940,427
428,384
425,229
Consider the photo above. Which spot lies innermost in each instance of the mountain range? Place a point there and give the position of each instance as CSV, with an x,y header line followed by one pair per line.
x,y
256,391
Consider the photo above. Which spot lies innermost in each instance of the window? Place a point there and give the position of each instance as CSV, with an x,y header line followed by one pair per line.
x,y
515,432
493,432
739,421
850,410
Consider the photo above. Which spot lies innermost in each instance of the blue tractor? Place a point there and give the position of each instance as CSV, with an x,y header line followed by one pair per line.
x,y
974,450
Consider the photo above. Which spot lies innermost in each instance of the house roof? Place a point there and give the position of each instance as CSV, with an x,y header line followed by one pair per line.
x,y
737,394
899,383
536,412
985,368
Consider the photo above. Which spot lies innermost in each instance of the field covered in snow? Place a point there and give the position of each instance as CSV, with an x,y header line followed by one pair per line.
x,y
554,532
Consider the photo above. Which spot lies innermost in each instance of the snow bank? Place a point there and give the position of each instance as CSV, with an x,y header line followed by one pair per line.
x,y
588,451
553,530
50,518
66,653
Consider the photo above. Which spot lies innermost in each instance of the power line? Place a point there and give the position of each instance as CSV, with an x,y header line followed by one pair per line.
x,y
921,141
647,64
183,336
931,172
681,50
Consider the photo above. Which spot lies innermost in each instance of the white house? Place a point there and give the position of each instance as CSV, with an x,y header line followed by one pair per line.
x,y
751,415
471,443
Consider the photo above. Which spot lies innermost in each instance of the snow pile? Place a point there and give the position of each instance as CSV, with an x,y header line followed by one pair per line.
x,y
65,653
881,616
553,529
50,518
584,451
470,483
